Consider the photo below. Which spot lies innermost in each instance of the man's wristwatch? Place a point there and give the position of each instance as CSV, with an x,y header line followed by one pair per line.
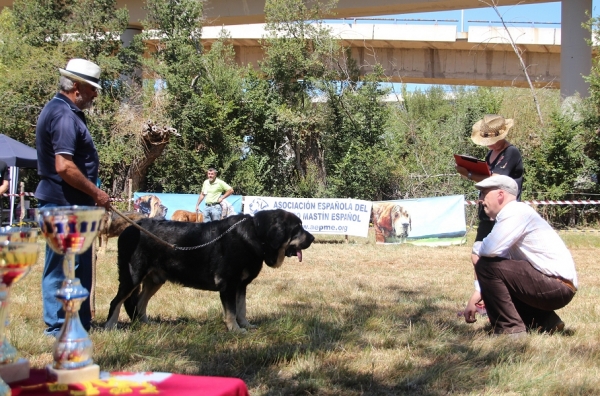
x,y
469,175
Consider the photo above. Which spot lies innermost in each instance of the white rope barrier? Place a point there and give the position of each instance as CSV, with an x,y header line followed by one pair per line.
x,y
548,202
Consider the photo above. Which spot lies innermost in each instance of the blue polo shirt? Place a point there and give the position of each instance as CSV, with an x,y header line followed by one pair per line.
x,y
62,129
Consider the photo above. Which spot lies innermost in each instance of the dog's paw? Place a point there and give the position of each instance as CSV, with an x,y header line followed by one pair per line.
x,y
248,326
235,328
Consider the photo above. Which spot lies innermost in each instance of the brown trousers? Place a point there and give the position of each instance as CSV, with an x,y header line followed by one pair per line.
x,y
517,296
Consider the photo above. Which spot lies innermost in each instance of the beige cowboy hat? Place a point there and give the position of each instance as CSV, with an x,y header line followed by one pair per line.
x,y
491,129
82,70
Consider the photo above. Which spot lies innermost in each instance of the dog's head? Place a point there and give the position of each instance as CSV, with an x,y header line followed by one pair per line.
x,y
392,220
151,206
282,234
401,222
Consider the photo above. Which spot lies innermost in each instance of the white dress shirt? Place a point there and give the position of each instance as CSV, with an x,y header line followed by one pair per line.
x,y
520,233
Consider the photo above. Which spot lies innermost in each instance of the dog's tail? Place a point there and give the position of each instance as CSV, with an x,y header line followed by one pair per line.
x,y
127,243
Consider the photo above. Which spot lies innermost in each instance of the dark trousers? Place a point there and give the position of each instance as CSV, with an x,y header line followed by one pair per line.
x,y
517,296
483,229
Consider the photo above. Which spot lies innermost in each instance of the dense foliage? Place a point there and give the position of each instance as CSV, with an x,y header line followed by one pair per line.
x,y
305,123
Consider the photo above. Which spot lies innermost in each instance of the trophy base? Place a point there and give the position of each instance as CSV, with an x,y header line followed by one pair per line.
x,y
16,371
89,373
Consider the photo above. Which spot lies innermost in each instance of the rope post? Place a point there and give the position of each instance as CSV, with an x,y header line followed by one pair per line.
x,y
93,291
22,195
129,195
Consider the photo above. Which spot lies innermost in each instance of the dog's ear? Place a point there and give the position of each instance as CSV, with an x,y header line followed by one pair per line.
x,y
276,235
385,220
271,227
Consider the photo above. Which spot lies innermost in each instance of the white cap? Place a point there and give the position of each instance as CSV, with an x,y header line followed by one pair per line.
x,y
501,182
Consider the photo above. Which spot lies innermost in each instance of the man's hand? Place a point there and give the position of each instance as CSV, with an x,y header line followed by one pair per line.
x,y
102,199
471,309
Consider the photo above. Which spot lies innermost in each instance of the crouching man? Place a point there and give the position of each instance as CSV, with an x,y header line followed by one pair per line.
x,y
524,271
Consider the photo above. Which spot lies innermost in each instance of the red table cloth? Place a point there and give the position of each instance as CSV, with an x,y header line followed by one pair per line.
x,y
133,384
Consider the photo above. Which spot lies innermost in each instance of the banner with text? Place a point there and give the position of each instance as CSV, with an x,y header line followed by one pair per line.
x,y
320,215
164,205
437,221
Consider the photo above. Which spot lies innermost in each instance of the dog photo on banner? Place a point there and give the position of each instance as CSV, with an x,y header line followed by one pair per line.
x,y
182,206
437,221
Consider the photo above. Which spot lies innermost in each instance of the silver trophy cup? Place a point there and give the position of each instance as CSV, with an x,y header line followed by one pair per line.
x,y
18,252
70,230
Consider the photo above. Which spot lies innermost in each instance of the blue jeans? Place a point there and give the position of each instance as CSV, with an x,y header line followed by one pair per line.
x,y
52,279
212,213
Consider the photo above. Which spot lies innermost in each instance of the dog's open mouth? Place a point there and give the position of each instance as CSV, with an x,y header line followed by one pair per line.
x,y
292,251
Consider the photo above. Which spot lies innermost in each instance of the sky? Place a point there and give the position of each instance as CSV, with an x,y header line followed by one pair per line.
x,y
545,15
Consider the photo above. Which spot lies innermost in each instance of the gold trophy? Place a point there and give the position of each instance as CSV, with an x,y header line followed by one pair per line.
x,y
70,230
18,252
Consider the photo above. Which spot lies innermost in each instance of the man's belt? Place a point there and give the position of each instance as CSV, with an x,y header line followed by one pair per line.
x,y
212,204
567,283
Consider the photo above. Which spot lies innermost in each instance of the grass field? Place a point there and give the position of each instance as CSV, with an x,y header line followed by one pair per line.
x,y
352,319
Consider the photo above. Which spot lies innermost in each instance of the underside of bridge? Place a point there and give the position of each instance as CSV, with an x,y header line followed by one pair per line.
x,y
481,65
427,64
235,12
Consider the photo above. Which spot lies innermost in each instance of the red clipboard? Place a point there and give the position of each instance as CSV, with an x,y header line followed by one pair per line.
x,y
472,164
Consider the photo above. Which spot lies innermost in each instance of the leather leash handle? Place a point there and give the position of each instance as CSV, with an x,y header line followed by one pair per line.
x,y
145,231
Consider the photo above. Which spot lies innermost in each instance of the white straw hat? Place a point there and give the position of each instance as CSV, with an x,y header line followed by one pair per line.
x,y
491,129
82,70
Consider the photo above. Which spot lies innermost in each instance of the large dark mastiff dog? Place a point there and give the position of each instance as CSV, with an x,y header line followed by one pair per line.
x,y
231,259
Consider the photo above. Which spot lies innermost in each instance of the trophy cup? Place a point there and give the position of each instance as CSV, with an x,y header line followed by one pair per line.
x,y
18,234
70,230
16,259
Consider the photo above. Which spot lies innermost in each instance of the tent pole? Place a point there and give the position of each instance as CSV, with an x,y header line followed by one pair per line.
x,y
14,180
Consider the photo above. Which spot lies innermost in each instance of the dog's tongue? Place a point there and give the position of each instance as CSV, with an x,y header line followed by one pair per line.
x,y
299,254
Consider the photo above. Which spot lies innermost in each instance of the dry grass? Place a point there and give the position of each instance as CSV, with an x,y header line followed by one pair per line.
x,y
352,319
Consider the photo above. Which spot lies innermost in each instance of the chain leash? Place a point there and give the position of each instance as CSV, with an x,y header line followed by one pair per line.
x,y
208,243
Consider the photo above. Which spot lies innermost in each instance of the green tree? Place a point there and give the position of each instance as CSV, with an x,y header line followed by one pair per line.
x,y
358,161
45,37
204,97
298,54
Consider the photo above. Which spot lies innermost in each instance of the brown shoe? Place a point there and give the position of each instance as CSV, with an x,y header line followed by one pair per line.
x,y
552,324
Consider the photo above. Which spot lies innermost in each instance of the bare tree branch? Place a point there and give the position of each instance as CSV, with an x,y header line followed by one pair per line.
x,y
493,4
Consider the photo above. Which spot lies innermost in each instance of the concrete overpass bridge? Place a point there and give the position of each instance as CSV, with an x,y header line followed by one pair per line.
x,y
431,54
575,55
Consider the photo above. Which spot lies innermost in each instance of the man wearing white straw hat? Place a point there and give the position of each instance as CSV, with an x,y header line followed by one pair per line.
x,y
68,168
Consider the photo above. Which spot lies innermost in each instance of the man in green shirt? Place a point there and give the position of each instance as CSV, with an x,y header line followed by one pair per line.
x,y
215,190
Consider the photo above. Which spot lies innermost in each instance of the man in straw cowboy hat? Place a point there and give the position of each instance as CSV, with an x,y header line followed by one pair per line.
x,y
525,271
502,159
68,168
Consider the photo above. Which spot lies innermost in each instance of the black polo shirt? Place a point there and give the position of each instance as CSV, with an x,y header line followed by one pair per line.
x,y
62,129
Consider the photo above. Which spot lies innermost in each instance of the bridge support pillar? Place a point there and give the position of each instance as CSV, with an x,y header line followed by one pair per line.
x,y
576,54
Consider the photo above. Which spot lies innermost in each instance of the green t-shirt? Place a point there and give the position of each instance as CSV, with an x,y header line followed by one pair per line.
x,y
213,191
